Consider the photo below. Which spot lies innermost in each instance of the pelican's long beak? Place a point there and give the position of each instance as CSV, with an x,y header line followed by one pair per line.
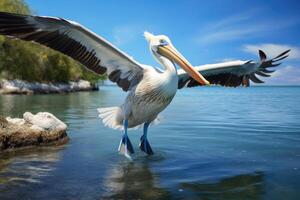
x,y
170,52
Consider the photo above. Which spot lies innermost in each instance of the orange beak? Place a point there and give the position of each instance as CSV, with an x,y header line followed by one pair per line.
x,y
171,53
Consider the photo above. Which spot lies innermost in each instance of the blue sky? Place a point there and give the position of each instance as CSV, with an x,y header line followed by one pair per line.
x,y
204,31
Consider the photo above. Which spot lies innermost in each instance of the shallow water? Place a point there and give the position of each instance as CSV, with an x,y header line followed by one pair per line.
x,y
213,143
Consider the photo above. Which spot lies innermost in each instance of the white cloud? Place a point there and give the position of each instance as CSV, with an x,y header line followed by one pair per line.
x,y
225,35
273,50
226,60
126,33
241,26
289,75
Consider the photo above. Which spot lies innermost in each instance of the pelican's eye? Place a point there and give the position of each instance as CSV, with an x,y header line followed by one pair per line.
x,y
163,42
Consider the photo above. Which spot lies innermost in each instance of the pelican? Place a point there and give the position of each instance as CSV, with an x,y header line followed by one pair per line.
x,y
150,89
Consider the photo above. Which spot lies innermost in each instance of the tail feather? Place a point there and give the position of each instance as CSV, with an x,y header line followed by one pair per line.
x,y
111,117
104,114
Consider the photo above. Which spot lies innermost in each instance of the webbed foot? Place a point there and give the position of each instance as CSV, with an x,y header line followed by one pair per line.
x,y
145,146
125,146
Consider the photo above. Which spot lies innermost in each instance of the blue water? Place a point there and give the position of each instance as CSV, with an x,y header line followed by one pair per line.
x,y
213,143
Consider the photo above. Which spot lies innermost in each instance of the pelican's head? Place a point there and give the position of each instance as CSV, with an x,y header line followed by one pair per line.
x,y
161,46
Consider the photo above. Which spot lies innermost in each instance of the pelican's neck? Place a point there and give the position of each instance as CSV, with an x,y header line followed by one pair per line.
x,y
169,66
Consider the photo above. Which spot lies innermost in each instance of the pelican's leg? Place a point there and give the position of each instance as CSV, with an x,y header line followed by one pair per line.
x,y
144,145
125,146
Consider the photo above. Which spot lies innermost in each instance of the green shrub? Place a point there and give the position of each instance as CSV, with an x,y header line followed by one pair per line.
x,y
33,62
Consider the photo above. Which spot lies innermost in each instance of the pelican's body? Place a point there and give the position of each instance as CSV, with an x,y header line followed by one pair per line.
x,y
144,101
150,90
152,95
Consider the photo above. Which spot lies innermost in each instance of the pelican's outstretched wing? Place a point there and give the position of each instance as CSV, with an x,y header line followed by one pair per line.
x,y
234,73
74,40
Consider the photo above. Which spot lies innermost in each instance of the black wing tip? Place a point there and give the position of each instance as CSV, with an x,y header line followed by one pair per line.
x,y
280,58
255,79
263,71
262,55
267,71
285,52
260,73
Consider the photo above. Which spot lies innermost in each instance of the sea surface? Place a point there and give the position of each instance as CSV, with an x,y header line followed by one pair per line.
x,y
213,143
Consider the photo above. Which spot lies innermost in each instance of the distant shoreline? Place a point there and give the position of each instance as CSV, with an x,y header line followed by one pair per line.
x,y
25,87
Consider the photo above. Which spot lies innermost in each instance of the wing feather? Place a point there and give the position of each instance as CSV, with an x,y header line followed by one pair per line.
x,y
77,42
234,73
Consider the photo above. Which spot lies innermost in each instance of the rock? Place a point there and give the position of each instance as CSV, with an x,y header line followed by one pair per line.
x,y
16,121
3,122
45,121
24,87
33,130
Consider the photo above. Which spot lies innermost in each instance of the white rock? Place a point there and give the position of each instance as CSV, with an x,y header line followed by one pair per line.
x,y
44,120
24,87
37,128
17,121
14,86
81,84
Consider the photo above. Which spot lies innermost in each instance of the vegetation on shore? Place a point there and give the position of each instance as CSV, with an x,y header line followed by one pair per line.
x,y
33,62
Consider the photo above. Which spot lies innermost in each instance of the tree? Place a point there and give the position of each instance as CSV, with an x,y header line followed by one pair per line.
x,y
33,62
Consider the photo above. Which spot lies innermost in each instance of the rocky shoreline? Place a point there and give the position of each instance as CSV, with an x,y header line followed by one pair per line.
x,y
24,87
31,130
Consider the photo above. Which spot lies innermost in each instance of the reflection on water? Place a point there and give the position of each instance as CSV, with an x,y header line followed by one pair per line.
x,y
57,103
245,186
134,180
28,166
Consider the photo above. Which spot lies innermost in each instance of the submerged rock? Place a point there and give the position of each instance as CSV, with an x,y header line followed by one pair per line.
x,y
33,130
24,87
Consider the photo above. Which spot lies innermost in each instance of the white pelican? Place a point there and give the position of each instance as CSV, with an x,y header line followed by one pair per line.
x,y
150,90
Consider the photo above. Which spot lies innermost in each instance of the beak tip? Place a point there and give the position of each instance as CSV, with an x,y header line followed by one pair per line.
x,y
206,83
